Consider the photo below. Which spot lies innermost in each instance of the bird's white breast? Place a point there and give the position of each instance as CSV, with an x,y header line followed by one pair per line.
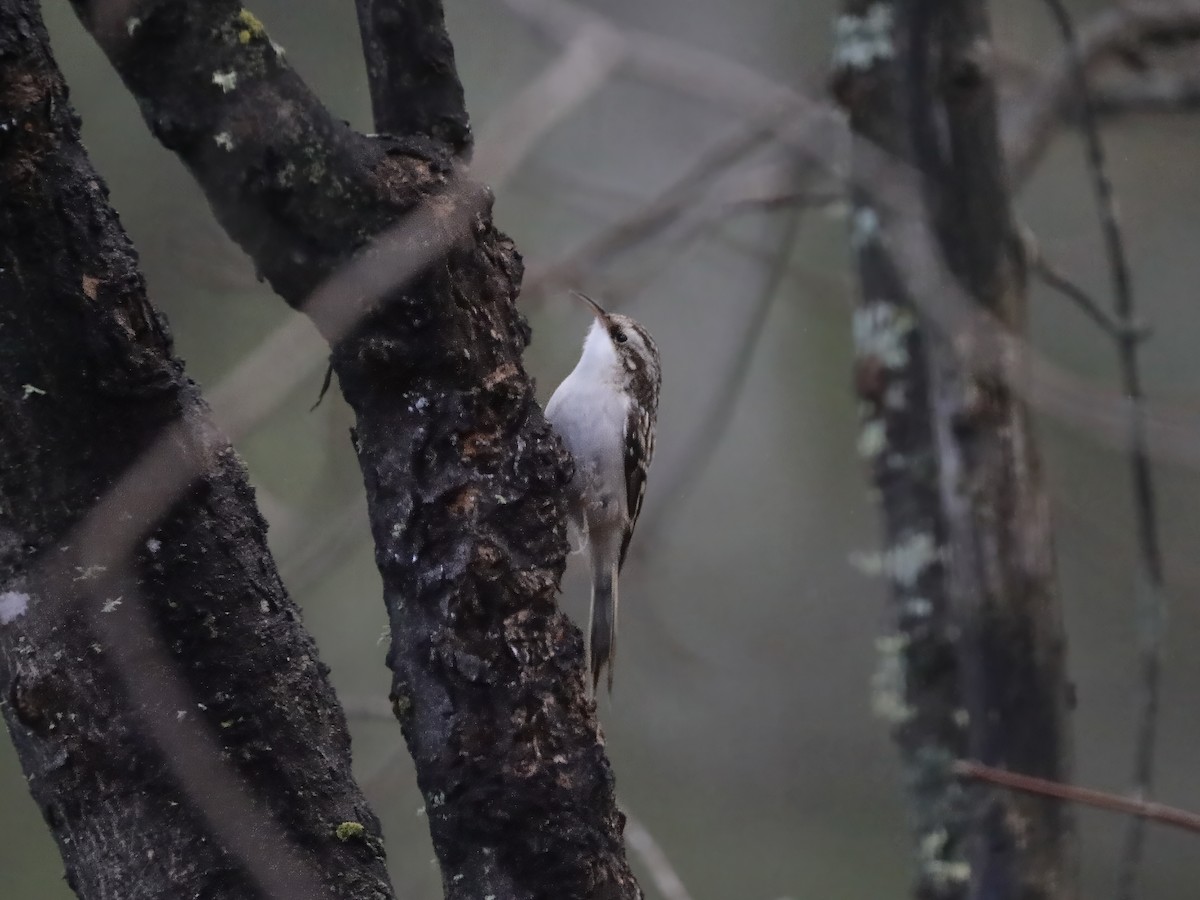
x,y
589,410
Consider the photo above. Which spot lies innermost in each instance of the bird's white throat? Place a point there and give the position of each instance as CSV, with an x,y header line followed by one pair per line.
x,y
599,359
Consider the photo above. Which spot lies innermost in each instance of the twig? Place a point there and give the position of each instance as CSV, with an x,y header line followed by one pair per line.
x,y
1153,607
1030,125
1149,92
657,214
707,435
639,839
510,135
1142,809
1059,281
707,226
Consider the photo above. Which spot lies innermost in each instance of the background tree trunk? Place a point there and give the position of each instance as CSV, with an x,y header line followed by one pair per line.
x,y
977,662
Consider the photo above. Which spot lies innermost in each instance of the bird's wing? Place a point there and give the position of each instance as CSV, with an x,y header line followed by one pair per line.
x,y
639,449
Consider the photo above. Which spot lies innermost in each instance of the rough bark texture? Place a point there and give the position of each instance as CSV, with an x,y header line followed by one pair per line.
x,y
979,655
464,478
176,727
410,67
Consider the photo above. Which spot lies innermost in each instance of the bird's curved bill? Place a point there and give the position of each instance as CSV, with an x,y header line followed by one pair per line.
x,y
597,309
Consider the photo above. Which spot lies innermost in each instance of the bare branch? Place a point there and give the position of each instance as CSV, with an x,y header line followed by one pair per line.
x,y
1031,122
1142,809
654,858
510,135
1151,591
708,434
1155,91
1059,281
658,213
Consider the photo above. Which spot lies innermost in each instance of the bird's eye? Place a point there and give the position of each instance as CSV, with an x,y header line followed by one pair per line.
x,y
619,336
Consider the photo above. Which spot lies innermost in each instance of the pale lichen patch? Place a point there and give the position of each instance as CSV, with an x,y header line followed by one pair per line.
x,y
861,41
904,562
943,872
911,556
226,81
224,140
89,573
13,605
881,331
921,607
864,227
887,684
872,439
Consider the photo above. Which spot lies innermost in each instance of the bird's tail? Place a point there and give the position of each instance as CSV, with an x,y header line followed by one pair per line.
x,y
602,622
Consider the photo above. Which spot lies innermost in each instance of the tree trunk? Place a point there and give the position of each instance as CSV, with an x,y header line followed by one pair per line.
x,y
977,664
388,246
170,712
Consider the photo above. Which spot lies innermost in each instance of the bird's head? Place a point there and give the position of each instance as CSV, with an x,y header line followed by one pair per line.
x,y
623,345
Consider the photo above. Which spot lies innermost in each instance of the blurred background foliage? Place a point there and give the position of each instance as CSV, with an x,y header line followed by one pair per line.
x,y
741,728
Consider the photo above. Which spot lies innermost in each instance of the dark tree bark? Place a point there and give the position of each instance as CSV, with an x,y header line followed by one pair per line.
x,y
464,479
410,68
979,652
177,729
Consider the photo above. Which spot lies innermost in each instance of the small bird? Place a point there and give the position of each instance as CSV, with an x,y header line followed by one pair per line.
x,y
605,412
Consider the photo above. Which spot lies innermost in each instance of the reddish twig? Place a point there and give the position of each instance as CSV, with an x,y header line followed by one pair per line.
x,y
1130,806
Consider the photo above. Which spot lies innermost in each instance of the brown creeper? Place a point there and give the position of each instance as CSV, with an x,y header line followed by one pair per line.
x,y
605,412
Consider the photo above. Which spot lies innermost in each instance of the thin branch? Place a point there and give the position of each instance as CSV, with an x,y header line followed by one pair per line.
x,y
654,858
512,133
1149,92
706,437
656,214
704,225
1059,281
1144,810
1030,123
1152,608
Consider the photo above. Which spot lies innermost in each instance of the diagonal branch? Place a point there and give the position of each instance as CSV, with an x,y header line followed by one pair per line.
x,y
1031,123
1142,809
707,436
